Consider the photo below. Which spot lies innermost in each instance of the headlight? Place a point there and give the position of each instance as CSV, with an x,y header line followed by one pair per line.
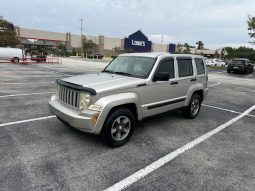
x,y
85,99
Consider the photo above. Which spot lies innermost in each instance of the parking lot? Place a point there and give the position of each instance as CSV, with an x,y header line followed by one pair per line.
x,y
39,152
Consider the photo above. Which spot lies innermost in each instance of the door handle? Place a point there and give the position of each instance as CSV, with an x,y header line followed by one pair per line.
x,y
193,80
173,83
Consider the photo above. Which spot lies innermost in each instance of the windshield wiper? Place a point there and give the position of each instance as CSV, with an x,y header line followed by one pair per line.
x,y
123,73
109,71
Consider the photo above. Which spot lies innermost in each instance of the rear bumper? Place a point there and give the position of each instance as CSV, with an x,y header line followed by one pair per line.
x,y
81,120
205,93
241,69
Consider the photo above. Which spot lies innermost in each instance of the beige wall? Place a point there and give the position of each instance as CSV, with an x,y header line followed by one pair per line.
x,y
110,43
76,40
157,47
40,34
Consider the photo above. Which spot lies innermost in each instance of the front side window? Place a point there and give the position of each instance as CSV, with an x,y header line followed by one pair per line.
x,y
166,66
133,66
185,67
200,66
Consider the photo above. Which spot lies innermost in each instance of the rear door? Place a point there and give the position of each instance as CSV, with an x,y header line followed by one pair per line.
x,y
186,75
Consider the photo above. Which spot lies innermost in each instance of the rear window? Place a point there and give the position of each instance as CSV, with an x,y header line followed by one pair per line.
x,y
185,67
239,61
200,66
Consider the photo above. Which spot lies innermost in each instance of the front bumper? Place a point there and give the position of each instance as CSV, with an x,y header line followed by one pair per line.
x,y
81,120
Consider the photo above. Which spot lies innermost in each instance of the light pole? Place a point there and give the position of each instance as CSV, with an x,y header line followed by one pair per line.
x,y
82,51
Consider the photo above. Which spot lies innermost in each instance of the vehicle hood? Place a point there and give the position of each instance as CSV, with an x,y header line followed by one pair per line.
x,y
105,82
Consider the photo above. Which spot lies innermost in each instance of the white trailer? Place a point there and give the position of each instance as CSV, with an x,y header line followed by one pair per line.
x,y
12,54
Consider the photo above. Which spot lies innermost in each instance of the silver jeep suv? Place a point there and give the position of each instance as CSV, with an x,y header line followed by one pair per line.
x,y
132,87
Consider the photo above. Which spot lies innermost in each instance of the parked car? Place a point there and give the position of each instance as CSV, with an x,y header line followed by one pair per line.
x,y
96,56
12,54
215,62
132,87
240,65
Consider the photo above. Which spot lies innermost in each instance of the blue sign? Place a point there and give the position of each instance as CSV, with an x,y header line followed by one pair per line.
x,y
137,42
171,48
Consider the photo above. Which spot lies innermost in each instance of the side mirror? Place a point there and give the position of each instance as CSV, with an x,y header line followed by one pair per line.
x,y
161,76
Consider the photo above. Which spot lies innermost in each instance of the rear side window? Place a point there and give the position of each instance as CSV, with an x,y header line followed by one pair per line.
x,y
166,66
185,67
200,66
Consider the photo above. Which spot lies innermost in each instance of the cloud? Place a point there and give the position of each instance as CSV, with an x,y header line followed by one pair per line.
x,y
214,22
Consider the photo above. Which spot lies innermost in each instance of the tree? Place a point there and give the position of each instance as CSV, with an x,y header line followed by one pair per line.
x,y
216,54
74,52
187,48
118,50
62,50
251,27
179,48
183,48
231,52
88,46
200,45
7,34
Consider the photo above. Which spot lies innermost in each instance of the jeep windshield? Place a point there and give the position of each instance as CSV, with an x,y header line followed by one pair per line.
x,y
133,66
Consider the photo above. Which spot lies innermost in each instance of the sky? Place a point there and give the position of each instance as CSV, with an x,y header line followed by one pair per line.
x,y
218,23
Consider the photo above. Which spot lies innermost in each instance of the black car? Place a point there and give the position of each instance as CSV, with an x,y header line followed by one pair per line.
x,y
96,56
240,65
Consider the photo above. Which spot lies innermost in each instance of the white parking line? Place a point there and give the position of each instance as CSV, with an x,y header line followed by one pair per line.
x,y
49,70
166,159
214,85
14,95
232,111
28,120
17,83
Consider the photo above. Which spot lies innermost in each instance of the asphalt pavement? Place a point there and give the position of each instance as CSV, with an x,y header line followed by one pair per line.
x,y
39,152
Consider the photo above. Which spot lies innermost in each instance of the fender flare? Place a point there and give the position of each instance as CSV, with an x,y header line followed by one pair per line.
x,y
111,101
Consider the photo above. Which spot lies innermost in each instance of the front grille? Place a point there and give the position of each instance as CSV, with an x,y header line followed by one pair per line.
x,y
68,96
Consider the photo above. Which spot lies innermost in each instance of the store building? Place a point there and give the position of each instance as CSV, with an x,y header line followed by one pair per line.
x,y
135,42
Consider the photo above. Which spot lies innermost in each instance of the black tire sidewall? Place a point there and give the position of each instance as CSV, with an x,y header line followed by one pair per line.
x,y
187,111
106,131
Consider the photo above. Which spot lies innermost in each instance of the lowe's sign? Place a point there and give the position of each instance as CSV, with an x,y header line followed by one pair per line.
x,y
137,42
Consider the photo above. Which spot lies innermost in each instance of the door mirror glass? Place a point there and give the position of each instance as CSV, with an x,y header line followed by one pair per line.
x,y
161,76
165,70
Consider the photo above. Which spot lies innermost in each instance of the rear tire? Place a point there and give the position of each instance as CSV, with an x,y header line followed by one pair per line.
x,y
228,71
192,110
118,127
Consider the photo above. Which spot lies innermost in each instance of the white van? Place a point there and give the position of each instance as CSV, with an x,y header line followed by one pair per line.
x,y
12,54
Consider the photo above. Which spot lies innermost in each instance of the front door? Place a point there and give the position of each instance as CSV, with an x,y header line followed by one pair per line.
x,y
161,94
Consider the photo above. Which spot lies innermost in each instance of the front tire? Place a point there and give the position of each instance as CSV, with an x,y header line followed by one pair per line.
x,y
118,128
15,60
192,110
